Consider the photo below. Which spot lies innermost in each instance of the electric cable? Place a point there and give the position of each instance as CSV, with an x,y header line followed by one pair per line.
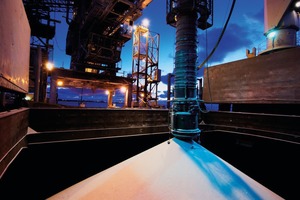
x,y
220,37
211,53
208,83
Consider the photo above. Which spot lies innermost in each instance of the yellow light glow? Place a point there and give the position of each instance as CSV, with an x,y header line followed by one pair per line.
x,y
145,34
60,83
29,97
123,89
107,92
146,22
49,66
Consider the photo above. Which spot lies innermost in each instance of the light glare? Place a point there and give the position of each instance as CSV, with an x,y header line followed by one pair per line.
x,y
123,89
59,83
146,22
272,34
49,66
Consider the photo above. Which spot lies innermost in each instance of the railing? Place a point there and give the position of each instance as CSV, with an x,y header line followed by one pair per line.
x,y
263,46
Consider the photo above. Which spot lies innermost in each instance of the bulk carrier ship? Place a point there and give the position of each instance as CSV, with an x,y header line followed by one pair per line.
x,y
247,149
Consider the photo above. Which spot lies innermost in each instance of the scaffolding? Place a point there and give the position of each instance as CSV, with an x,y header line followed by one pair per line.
x,y
145,72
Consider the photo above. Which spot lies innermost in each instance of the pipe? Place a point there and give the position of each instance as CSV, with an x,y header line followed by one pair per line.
x,y
37,69
185,106
67,13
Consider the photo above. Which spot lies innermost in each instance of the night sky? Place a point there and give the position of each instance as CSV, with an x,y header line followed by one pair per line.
x,y
245,30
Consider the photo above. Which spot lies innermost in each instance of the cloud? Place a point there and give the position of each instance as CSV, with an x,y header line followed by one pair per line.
x,y
234,38
162,91
239,36
164,79
243,35
257,18
255,24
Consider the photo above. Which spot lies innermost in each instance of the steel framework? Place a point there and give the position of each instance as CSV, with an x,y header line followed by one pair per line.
x,y
39,13
41,17
145,70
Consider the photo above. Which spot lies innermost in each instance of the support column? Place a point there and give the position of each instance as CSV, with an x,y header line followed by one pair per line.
x,y
169,90
110,98
37,69
53,90
185,108
128,96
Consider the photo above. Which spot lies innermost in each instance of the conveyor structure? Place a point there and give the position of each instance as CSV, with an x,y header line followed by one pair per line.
x,y
98,32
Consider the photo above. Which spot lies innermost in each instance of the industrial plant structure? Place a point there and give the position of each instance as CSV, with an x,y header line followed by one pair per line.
x,y
248,148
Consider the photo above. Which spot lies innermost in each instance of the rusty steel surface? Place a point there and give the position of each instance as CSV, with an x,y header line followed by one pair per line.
x,y
13,129
271,78
270,126
95,134
53,119
15,46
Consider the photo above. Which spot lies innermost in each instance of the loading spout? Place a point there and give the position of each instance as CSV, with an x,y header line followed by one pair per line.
x,y
185,105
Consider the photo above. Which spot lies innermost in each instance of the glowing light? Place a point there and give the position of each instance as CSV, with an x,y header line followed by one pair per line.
x,y
60,83
146,22
49,66
272,34
146,34
297,6
29,97
106,92
123,89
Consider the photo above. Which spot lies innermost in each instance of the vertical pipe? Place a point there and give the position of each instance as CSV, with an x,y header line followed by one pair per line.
x,y
53,90
138,71
110,99
169,90
126,98
200,88
184,114
37,81
146,71
129,95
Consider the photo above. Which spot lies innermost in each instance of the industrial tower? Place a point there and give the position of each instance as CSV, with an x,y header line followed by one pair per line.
x,y
145,72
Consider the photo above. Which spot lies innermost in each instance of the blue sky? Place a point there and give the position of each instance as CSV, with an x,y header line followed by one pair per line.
x,y
244,31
